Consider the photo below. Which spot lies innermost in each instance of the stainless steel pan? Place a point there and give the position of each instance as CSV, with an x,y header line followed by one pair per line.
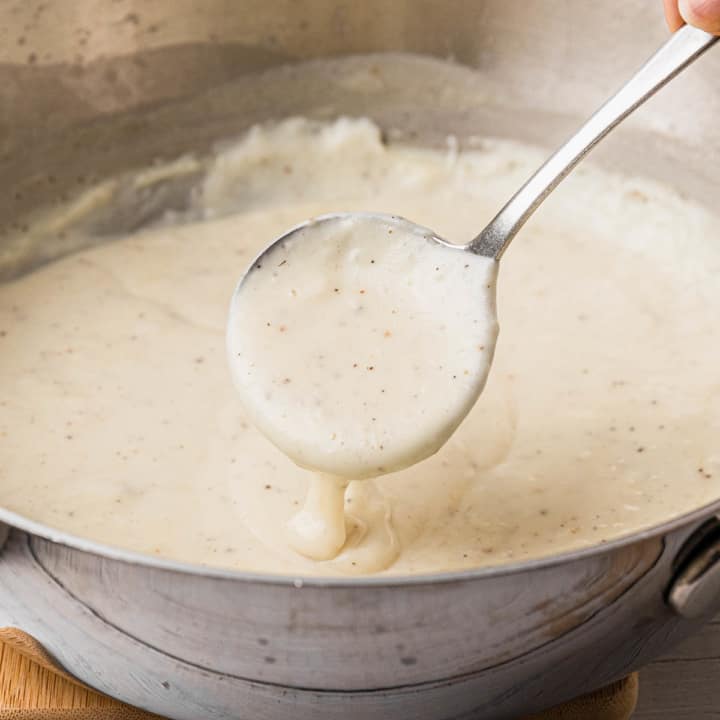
x,y
93,88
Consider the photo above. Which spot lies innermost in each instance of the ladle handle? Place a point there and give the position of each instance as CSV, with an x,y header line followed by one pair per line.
x,y
683,47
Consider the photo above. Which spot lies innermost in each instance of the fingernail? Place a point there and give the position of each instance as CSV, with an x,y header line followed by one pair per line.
x,y
704,14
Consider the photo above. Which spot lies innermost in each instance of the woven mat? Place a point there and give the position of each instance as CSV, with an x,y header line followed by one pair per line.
x,y
32,687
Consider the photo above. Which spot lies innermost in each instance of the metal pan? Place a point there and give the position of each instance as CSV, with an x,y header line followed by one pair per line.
x,y
94,88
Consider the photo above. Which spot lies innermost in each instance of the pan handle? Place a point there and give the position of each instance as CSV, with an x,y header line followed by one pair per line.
x,y
695,590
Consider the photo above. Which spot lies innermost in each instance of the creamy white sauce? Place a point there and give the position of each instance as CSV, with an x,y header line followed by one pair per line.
x,y
118,420
358,344
318,530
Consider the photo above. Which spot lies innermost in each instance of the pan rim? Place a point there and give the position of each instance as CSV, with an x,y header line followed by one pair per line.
x,y
132,557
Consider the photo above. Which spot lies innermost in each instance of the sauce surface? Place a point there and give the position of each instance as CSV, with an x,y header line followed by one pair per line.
x,y
118,420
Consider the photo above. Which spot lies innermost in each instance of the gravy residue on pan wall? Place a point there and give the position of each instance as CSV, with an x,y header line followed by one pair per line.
x,y
118,420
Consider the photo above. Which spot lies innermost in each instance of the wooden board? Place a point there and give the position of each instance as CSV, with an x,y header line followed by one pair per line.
x,y
29,691
24,684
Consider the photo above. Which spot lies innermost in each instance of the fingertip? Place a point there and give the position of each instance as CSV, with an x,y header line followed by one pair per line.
x,y
672,15
704,14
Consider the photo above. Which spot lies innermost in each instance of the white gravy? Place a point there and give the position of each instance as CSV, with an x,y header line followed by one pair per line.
x,y
118,420
358,345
